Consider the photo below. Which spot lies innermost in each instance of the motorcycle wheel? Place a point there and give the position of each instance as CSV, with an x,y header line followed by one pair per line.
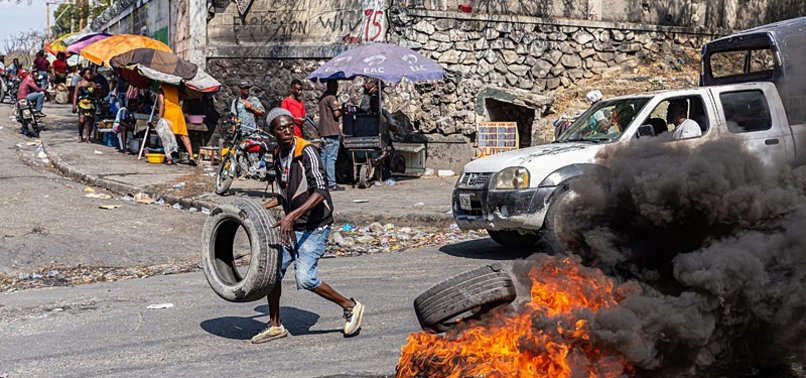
x,y
223,180
29,128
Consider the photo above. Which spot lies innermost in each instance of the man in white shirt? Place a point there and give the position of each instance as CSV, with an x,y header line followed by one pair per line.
x,y
684,127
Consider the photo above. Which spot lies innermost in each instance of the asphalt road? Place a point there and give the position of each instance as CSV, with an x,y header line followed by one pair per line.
x,y
46,219
106,329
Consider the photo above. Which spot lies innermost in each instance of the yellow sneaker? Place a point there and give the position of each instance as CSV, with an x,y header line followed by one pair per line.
x,y
269,334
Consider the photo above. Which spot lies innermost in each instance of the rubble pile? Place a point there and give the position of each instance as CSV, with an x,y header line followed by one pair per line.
x,y
348,240
352,241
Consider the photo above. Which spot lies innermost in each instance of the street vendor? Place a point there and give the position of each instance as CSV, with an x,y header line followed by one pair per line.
x,y
304,229
124,122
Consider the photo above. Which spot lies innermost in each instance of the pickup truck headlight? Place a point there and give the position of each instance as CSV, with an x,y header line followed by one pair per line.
x,y
511,178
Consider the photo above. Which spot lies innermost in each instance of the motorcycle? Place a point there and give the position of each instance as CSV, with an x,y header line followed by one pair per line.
x,y
248,157
24,113
9,84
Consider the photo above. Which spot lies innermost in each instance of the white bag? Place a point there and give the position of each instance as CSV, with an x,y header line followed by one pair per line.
x,y
167,136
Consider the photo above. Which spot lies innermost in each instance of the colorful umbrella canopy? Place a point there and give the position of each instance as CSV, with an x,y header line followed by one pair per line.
x,y
162,61
57,45
102,51
78,45
382,61
143,77
82,35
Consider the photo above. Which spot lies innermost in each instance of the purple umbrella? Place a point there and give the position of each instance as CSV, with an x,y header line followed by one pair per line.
x,y
380,61
77,46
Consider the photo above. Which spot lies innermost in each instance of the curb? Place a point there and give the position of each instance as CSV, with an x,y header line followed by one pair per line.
x,y
118,187
353,217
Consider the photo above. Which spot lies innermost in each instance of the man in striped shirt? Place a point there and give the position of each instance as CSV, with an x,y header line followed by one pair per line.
x,y
304,229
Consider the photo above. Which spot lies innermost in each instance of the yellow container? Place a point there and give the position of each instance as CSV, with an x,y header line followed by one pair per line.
x,y
224,151
155,158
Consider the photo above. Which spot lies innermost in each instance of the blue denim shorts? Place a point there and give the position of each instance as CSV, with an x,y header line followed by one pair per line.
x,y
305,256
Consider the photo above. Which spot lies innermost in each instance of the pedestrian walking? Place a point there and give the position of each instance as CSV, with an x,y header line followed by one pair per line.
x,y
305,227
329,130
85,101
295,106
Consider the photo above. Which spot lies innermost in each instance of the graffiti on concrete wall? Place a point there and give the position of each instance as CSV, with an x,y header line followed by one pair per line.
x,y
303,21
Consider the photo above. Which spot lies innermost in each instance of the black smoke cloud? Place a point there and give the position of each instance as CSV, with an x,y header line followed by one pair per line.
x,y
716,241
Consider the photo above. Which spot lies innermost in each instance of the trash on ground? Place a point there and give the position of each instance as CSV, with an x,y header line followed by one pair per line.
x,y
205,210
193,210
180,185
360,201
98,195
419,204
390,182
160,306
348,227
98,152
143,198
445,173
428,172
87,189
109,207
160,202
127,198
177,206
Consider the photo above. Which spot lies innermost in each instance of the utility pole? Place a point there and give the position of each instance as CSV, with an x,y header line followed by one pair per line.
x,y
80,14
47,21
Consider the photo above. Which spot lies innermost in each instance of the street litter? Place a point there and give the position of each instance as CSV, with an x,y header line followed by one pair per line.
x,y
98,195
160,202
360,201
390,182
180,185
351,240
109,207
177,206
98,152
87,189
143,198
419,204
445,173
428,172
127,198
348,227
193,209
205,210
160,306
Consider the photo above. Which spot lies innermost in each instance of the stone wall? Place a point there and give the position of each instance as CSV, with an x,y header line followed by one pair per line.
x,y
522,57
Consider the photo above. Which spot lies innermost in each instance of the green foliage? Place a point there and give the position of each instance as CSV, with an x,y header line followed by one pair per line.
x,y
69,15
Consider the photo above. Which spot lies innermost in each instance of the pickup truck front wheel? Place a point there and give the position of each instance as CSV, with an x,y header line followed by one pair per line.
x,y
514,239
555,233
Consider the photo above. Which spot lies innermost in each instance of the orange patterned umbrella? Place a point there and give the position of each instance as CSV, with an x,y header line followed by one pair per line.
x,y
103,51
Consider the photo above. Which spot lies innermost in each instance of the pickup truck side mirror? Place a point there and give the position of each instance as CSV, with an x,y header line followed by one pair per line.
x,y
646,130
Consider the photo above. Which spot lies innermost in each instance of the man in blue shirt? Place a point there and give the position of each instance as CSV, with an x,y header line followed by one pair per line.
x,y
247,108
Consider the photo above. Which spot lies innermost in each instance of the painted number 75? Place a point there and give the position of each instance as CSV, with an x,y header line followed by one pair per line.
x,y
374,26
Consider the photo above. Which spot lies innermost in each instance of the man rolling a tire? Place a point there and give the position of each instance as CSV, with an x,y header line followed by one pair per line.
x,y
304,229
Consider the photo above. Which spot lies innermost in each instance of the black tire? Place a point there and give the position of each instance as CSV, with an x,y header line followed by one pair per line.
x,y
363,176
223,180
469,293
554,232
218,260
514,239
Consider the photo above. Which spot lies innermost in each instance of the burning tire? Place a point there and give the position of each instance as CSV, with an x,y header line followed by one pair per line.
x,y
219,263
463,296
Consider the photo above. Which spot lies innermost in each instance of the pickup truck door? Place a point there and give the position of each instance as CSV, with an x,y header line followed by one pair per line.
x,y
745,113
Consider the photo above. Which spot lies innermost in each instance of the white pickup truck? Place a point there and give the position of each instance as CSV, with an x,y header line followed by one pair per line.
x,y
512,195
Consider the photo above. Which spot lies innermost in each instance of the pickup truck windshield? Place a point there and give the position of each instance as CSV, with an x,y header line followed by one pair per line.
x,y
604,121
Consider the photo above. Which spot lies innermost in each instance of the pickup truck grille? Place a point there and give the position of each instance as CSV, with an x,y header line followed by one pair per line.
x,y
474,180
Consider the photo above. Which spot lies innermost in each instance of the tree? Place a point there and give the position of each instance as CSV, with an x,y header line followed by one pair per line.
x,y
29,41
70,15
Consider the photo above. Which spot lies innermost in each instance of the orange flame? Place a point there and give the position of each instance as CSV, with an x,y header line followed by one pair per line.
x,y
548,337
